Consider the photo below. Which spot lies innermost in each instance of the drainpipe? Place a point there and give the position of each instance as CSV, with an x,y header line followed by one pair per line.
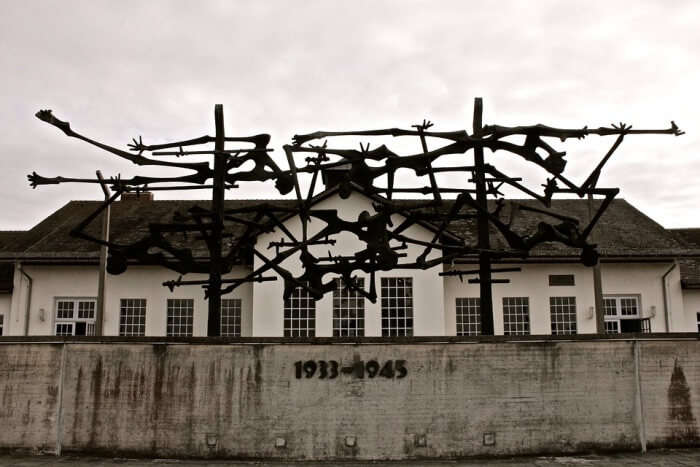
x,y
664,289
29,298
100,312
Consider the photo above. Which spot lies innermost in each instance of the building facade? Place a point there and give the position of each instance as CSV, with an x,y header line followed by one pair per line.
x,y
649,275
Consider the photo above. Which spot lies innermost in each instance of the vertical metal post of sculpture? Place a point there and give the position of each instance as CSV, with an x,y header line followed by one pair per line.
x,y
486,305
217,219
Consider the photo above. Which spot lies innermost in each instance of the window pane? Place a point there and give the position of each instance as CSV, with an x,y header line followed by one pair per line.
x,y
516,316
180,316
86,309
563,313
397,305
348,310
64,309
132,317
468,316
231,317
300,314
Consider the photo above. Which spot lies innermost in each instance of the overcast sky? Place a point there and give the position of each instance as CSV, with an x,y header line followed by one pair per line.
x,y
116,70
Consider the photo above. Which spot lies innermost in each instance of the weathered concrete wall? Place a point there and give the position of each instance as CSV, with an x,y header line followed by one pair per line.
x,y
30,392
242,400
670,381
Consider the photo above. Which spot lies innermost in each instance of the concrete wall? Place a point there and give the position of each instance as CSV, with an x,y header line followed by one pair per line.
x,y
456,399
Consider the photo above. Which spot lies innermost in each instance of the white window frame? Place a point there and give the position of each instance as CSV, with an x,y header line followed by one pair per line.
x,y
231,311
397,317
127,305
299,314
348,309
75,318
171,326
560,314
468,316
519,309
612,321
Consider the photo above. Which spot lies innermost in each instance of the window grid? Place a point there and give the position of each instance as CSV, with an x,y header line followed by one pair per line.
x,y
132,317
618,309
64,309
231,317
397,306
563,312
86,310
468,316
300,314
610,306
348,310
64,329
70,323
516,316
180,316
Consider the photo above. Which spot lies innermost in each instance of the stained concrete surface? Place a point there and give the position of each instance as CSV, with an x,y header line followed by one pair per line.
x,y
662,457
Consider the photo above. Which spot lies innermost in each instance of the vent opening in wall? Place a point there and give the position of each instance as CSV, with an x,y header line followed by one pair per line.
x,y
561,279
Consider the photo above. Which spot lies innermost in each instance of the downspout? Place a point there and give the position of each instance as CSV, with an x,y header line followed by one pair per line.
x,y
29,298
664,289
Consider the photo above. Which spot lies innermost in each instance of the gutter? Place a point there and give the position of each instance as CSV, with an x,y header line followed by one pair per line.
x,y
29,298
664,290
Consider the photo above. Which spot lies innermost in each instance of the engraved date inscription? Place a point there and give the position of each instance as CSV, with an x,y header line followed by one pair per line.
x,y
331,369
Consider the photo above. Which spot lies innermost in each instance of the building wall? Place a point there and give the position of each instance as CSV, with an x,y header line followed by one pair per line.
x,y
53,281
434,297
428,308
639,279
691,306
454,400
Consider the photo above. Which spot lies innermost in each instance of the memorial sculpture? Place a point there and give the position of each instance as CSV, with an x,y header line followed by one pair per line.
x,y
383,242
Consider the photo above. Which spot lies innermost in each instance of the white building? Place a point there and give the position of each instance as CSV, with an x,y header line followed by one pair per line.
x,y
48,282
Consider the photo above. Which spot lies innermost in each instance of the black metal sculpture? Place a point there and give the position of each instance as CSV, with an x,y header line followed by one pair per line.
x,y
383,242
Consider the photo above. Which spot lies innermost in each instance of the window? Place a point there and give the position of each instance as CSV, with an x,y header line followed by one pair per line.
x,y
231,317
468,316
622,315
697,317
348,310
397,306
1,323
75,316
180,316
132,317
561,279
563,312
516,316
300,314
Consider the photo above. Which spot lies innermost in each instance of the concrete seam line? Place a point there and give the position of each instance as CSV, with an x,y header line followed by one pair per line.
x,y
640,399
59,418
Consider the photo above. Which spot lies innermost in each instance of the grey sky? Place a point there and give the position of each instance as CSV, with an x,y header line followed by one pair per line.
x,y
117,70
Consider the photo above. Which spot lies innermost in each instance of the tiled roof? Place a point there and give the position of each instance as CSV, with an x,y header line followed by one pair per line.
x,y
623,231
690,267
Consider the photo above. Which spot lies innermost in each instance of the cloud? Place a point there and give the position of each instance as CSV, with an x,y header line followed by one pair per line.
x,y
118,70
